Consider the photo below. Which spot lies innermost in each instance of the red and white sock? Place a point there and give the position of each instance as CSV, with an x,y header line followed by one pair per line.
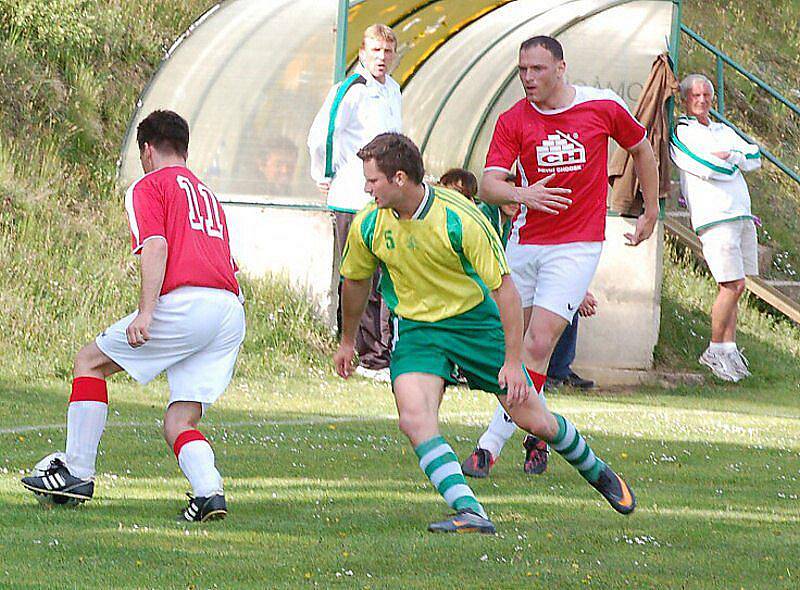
x,y
196,459
538,382
86,419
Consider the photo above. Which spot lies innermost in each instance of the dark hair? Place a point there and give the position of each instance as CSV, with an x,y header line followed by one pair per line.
x,y
166,131
393,152
553,46
462,180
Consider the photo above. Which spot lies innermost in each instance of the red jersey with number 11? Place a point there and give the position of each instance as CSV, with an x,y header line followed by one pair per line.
x,y
571,142
173,204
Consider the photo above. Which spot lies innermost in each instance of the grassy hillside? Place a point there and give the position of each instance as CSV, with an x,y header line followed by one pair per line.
x,y
70,73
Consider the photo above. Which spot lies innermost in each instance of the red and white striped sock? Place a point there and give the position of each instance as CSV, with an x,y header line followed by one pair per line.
x,y
86,419
196,459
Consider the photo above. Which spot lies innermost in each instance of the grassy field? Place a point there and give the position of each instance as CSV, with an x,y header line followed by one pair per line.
x,y
323,489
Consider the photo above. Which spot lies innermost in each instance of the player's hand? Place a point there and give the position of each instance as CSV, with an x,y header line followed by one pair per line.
x,y
721,155
343,360
138,331
541,197
512,378
324,186
588,307
644,229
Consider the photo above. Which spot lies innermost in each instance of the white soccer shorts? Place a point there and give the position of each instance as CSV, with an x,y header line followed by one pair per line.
x,y
553,276
731,249
195,337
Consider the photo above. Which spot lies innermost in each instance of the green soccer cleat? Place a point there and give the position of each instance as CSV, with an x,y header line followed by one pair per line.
x,y
464,521
616,491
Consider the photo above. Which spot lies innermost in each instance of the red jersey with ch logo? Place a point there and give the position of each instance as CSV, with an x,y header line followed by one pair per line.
x,y
171,203
571,142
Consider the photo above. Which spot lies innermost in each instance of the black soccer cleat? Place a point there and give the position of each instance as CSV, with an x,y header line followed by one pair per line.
x,y
616,491
536,453
211,507
478,464
58,483
464,521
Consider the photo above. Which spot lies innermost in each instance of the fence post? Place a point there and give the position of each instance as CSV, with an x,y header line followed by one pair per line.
x,y
720,85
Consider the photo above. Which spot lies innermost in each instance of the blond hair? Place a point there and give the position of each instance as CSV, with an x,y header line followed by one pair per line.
x,y
379,32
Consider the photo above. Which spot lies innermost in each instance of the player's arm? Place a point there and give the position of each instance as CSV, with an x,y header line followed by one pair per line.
x,y
644,163
354,301
550,199
511,375
153,263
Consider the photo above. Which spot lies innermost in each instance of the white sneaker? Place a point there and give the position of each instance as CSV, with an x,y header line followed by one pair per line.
x,y
740,363
721,365
379,375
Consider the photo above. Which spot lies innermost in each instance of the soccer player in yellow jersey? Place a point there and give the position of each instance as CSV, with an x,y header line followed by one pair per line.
x,y
446,280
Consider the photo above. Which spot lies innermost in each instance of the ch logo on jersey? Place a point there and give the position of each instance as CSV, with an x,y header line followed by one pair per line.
x,y
561,151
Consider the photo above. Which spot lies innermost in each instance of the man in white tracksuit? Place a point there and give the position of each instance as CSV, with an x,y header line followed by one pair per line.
x,y
711,158
364,105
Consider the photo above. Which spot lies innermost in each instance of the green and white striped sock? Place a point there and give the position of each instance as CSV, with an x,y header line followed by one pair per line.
x,y
573,447
440,464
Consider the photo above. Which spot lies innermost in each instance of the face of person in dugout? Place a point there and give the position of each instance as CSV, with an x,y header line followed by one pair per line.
x,y
277,168
385,192
541,74
378,56
698,100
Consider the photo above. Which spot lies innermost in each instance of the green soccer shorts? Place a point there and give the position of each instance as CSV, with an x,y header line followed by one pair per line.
x,y
473,341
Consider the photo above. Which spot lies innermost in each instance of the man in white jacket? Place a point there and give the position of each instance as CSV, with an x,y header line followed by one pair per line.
x,y
364,105
711,158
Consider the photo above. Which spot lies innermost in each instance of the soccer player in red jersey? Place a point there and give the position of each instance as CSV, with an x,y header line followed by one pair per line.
x,y
190,323
557,138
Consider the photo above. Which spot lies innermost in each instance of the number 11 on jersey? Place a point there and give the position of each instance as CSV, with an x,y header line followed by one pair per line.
x,y
210,223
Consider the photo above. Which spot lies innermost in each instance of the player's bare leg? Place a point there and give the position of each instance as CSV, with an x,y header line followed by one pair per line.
x,y
418,396
532,416
542,328
196,459
73,477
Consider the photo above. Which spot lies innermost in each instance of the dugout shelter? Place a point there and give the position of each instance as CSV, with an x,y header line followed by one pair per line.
x,y
249,76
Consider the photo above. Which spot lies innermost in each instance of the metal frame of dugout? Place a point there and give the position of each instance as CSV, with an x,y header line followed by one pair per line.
x,y
249,75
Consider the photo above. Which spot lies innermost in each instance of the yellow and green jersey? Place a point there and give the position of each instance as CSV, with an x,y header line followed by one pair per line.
x,y
439,264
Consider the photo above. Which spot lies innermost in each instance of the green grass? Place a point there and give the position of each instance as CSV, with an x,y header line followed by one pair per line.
x,y
321,483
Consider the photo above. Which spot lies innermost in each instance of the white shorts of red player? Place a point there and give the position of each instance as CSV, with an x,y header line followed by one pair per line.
x,y
553,276
195,337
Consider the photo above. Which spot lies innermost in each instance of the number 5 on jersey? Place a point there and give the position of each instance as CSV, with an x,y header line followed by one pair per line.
x,y
210,222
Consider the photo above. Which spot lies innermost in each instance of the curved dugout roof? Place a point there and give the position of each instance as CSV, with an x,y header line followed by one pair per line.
x,y
250,75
